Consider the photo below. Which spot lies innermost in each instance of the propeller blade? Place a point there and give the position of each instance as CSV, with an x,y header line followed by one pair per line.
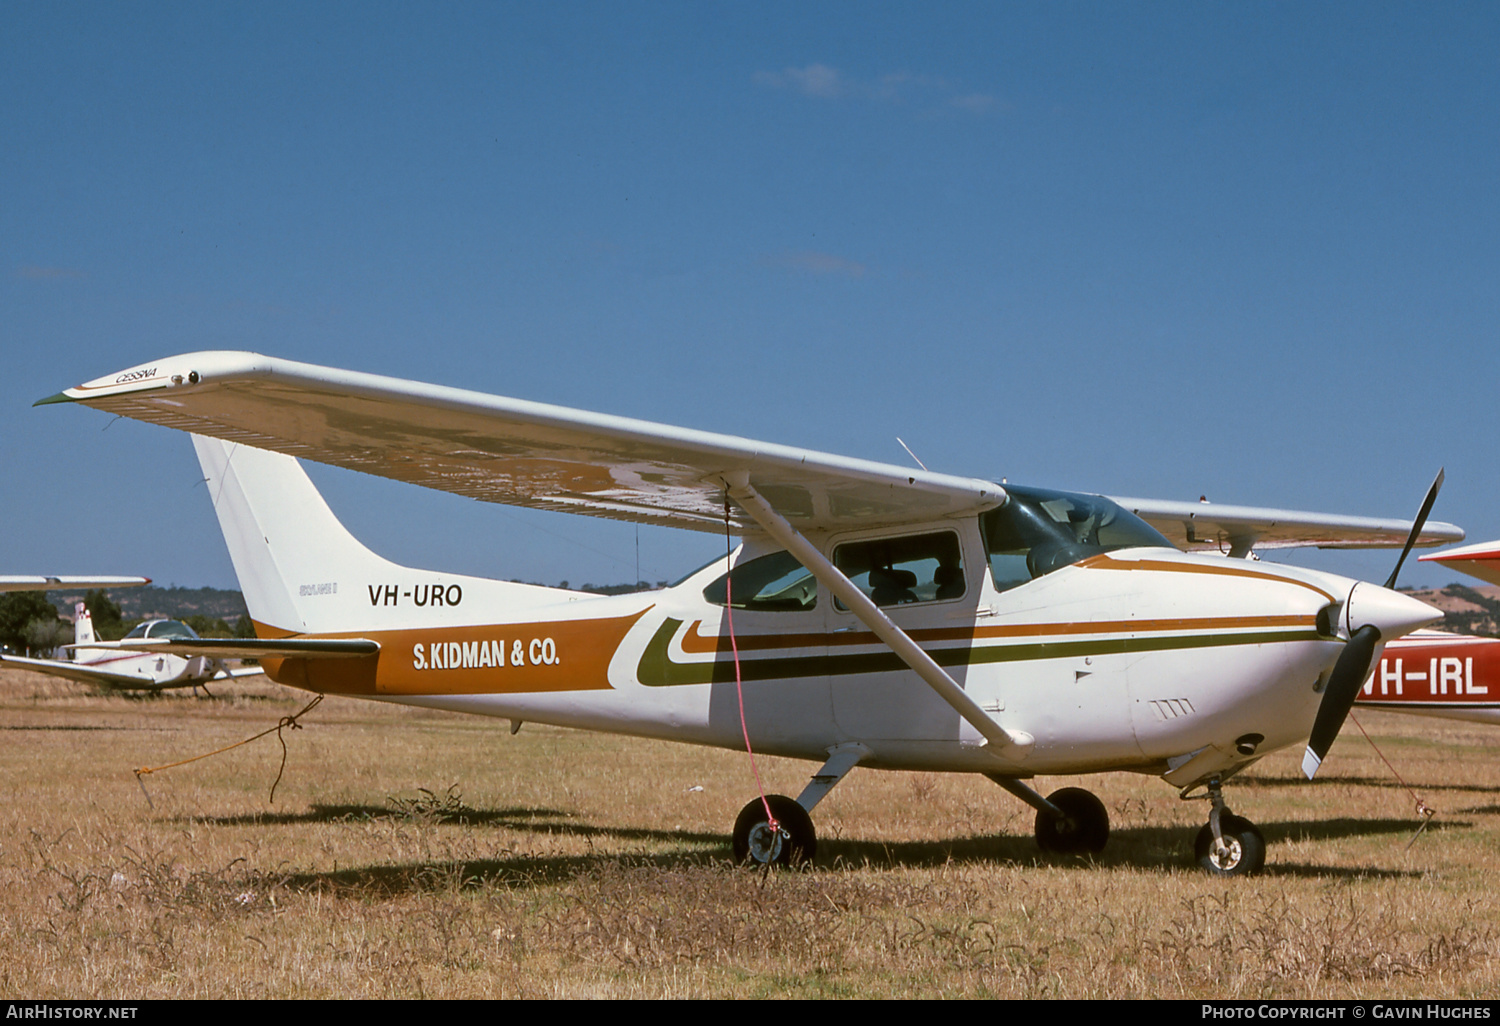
x,y
1338,698
1417,525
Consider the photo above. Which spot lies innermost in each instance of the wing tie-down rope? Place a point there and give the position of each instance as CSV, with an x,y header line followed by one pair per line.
x,y
1425,812
285,721
739,687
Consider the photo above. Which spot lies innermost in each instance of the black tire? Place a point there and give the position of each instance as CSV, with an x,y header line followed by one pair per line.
x,y
1247,848
1084,827
797,843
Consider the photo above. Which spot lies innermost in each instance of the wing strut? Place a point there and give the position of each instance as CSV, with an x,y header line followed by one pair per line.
x,y
1014,744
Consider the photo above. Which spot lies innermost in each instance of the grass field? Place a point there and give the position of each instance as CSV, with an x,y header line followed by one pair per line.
x,y
411,854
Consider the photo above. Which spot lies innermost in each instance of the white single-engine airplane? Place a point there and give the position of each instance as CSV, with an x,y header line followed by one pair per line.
x,y
881,616
128,668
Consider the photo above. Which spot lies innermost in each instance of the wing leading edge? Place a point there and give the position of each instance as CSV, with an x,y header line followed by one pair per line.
x,y
1234,529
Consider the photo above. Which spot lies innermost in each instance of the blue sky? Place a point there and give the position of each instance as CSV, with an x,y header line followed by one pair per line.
x,y
1158,249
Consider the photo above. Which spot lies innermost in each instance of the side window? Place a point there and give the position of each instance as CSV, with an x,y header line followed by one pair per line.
x,y
776,583
897,571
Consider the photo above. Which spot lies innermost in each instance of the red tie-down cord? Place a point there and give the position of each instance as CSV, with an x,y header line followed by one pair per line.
x,y
739,686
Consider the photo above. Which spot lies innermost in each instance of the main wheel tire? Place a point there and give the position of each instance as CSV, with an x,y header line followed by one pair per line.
x,y
755,843
1084,826
1244,848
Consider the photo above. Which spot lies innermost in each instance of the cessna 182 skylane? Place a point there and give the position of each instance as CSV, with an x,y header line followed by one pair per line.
x,y
96,662
878,616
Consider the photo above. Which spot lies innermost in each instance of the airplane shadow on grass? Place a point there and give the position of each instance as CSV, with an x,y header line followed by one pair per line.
x,y
1148,848
1383,783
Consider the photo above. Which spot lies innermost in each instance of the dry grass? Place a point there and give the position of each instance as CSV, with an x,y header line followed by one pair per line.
x,y
411,854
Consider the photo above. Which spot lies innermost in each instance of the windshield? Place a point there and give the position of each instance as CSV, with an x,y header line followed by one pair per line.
x,y
1038,531
174,629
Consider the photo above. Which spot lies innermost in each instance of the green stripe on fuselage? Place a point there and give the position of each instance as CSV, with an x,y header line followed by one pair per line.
x,y
657,669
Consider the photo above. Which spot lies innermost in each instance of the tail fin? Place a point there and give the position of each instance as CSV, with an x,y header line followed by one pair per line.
x,y
301,571
83,634
83,625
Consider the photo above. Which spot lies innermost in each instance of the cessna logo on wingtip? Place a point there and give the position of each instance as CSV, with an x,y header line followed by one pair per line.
x,y
417,595
136,375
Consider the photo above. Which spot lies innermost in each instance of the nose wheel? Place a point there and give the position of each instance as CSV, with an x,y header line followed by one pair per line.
x,y
1239,850
1228,845
791,842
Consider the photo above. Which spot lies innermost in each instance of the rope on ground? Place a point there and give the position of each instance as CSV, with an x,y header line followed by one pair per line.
x,y
1425,812
284,722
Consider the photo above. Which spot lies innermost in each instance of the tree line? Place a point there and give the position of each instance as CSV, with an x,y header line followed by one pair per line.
x,y
29,623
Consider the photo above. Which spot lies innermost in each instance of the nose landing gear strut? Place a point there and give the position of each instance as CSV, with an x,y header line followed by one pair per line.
x,y
1228,845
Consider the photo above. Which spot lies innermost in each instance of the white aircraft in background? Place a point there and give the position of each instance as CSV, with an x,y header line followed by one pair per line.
x,y
878,616
96,662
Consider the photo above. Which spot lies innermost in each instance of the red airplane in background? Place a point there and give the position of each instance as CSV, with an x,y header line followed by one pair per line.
x,y
1434,673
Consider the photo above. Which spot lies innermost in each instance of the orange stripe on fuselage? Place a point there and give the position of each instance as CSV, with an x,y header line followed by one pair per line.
x,y
508,658
695,642
1106,562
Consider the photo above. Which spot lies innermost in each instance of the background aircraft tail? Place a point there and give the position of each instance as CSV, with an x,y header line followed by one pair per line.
x,y
301,570
83,634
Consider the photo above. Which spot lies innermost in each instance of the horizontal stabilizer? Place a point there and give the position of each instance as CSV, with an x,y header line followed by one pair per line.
x,y
250,648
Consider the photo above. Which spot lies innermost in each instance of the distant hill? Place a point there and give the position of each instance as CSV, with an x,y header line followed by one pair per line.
x,y
1466,610
152,602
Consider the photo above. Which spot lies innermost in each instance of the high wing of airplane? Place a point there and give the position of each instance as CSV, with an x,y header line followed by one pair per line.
x,y
1436,673
871,616
142,664
1233,530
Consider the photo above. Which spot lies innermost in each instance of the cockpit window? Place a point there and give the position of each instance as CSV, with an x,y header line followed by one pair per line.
x,y
174,630
776,583
1039,531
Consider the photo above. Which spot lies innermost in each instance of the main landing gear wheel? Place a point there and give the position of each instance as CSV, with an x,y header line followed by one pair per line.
x,y
1083,827
1242,853
756,843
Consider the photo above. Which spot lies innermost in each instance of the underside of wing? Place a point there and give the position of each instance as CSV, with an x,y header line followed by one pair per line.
x,y
250,648
515,452
1481,560
29,583
82,673
1235,529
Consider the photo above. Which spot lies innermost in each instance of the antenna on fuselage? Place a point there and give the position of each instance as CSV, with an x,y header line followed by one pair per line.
x,y
910,453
